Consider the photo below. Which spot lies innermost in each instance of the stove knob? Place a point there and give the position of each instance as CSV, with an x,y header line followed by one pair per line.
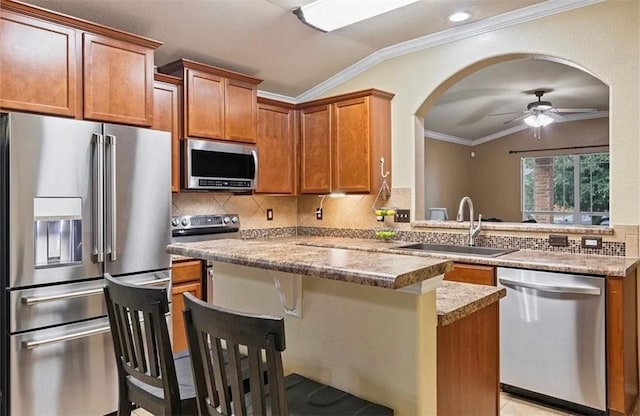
x,y
185,222
175,222
234,219
226,220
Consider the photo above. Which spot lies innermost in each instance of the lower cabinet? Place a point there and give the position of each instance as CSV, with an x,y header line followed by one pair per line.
x,y
472,273
186,277
468,365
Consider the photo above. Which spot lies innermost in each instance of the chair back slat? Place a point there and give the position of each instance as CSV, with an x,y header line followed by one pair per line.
x,y
256,382
216,367
139,348
136,344
152,351
235,376
257,333
277,392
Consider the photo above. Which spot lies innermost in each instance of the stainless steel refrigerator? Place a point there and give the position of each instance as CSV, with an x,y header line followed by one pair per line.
x,y
77,199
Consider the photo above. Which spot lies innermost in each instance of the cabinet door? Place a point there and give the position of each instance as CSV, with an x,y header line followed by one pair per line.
x,y
204,101
315,150
276,150
118,81
166,118
241,111
177,306
38,66
351,146
472,273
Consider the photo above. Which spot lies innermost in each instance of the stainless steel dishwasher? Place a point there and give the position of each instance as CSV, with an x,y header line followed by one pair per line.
x,y
552,337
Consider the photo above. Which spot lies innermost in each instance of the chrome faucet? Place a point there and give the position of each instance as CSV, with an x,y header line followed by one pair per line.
x,y
473,232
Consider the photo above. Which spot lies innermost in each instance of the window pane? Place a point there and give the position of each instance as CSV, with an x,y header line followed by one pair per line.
x,y
563,183
594,183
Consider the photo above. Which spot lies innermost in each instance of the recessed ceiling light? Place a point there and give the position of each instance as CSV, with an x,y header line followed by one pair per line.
x,y
459,16
328,15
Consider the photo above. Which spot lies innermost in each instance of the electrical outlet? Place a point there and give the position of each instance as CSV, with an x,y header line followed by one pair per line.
x,y
269,214
591,242
558,240
318,213
402,215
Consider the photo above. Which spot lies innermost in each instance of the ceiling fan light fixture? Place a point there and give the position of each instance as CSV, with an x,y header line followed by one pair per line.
x,y
328,15
459,16
538,120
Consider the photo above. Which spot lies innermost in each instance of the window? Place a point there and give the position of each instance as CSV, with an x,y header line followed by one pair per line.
x,y
568,189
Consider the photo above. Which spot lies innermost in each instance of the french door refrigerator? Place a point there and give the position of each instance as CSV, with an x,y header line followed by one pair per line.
x,y
77,199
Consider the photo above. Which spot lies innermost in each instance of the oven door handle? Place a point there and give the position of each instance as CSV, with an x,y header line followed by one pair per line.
x,y
29,345
33,300
578,290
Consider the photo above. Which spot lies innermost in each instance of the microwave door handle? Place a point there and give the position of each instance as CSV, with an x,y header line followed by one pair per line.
x,y
579,290
254,153
98,200
111,141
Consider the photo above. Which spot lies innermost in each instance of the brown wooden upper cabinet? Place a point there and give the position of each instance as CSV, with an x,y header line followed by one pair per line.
x,y
276,147
166,117
218,104
342,139
58,65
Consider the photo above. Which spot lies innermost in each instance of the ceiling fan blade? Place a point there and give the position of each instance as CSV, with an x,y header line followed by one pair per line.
x,y
555,116
520,117
576,110
504,114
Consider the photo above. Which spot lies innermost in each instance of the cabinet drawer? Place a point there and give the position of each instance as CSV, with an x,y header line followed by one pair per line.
x,y
472,273
186,271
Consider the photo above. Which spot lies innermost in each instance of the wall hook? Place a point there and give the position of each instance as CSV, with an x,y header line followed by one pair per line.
x,y
383,174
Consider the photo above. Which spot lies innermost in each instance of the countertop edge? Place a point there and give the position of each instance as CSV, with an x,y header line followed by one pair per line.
x,y
488,295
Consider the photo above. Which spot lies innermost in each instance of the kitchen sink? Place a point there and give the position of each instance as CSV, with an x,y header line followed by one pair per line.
x,y
463,250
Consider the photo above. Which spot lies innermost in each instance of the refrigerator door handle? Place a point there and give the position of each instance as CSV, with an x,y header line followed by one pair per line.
x,y
98,202
552,288
29,345
33,300
111,141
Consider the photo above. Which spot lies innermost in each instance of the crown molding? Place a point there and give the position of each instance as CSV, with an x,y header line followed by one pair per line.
x,y
504,20
468,142
429,134
277,97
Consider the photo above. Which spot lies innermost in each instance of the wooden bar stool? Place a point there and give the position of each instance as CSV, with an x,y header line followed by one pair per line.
x,y
207,326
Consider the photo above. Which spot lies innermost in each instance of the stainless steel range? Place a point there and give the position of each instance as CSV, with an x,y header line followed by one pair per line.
x,y
192,228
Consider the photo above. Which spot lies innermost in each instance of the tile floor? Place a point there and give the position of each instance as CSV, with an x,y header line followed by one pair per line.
x,y
509,406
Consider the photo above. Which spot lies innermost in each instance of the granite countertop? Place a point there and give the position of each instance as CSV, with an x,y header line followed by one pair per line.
x,y
456,300
522,259
518,227
387,270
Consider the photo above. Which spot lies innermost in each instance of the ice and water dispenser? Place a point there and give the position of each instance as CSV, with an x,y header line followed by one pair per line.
x,y
57,229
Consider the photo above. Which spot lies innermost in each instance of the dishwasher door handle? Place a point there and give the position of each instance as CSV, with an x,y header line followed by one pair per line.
x,y
579,290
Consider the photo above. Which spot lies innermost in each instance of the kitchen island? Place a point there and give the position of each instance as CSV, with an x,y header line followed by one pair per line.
x,y
367,321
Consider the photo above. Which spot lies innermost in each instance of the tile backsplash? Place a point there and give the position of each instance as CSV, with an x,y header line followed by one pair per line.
x,y
353,216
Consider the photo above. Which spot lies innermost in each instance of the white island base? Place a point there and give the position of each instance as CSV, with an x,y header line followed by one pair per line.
x,y
376,343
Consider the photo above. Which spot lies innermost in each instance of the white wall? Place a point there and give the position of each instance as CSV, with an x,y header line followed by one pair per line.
x,y
603,38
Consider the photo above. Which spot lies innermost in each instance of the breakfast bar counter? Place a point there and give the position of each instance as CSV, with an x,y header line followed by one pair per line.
x,y
363,322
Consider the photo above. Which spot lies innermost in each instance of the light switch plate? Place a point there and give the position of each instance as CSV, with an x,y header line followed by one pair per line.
x,y
558,240
269,214
318,213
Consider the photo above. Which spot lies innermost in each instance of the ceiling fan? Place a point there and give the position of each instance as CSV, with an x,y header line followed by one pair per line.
x,y
542,113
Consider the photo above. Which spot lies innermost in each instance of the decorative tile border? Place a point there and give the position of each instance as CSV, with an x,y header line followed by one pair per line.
x,y
268,233
609,248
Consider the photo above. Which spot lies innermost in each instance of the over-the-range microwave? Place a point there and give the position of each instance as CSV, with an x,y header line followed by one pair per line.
x,y
214,165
